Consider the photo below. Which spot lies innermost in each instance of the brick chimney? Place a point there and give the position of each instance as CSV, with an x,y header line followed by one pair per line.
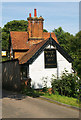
x,y
41,26
35,26
35,19
30,20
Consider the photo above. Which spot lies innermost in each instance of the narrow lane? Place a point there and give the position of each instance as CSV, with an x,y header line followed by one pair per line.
x,y
19,106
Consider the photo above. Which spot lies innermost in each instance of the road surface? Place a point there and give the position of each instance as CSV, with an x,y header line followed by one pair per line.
x,y
20,106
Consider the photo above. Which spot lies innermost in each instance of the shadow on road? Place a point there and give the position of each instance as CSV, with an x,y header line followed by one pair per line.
x,y
13,95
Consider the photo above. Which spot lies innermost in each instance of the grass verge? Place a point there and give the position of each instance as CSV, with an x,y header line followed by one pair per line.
x,y
63,99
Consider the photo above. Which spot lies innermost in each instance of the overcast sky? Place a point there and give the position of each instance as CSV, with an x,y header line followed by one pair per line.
x,y
56,14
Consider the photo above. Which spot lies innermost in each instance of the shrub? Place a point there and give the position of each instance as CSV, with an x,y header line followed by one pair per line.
x,y
67,84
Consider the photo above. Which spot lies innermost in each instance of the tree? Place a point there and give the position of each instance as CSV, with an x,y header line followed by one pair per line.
x,y
44,30
5,41
77,62
72,44
15,25
64,38
0,41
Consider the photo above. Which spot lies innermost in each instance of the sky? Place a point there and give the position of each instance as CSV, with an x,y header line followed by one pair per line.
x,y
55,14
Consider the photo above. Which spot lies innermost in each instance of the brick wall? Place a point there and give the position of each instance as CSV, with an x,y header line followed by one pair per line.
x,y
35,26
41,28
35,33
11,75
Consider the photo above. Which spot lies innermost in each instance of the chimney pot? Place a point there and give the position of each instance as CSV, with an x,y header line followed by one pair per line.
x,y
35,13
29,14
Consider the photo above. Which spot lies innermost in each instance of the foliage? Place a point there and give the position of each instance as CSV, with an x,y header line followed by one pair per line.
x,y
0,42
5,58
77,60
64,39
72,45
0,34
15,25
31,92
26,89
5,41
67,84
44,30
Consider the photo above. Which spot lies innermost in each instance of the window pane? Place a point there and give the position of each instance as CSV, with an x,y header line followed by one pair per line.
x,y
24,72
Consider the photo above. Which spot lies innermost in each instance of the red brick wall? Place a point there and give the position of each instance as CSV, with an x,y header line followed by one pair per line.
x,y
35,28
41,28
35,34
29,27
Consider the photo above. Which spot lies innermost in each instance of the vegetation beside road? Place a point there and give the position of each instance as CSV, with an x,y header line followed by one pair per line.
x,y
64,89
59,98
68,84
63,99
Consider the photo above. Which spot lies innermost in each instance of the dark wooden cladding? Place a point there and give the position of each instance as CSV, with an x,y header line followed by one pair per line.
x,y
50,58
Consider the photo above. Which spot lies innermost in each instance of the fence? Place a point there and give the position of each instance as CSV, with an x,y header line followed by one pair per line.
x,y
11,75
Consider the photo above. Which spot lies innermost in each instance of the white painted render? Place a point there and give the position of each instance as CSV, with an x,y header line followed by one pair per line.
x,y
37,71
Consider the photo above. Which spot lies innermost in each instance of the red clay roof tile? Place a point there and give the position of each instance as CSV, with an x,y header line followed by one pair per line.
x,y
20,41
47,35
26,56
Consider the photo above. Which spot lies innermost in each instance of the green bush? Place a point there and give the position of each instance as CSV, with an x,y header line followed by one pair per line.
x,y
67,84
26,89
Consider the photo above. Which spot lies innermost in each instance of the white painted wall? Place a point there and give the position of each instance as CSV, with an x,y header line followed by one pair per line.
x,y
37,70
62,64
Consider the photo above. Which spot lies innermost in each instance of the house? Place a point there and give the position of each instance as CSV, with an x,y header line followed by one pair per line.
x,y
39,53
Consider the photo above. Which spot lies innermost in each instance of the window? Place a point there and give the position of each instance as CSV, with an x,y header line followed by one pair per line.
x,y
24,72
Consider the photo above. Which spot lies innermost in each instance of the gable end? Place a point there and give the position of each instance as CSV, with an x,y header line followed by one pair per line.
x,y
50,41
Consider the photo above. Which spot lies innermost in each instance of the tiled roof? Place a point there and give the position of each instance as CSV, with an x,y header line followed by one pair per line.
x,y
20,41
36,49
47,35
26,56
